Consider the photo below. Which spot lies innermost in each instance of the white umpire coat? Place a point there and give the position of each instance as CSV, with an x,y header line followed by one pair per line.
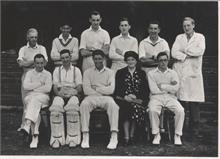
x,y
189,66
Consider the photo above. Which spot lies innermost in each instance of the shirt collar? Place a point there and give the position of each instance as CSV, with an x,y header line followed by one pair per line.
x,y
36,46
149,41
90,29
102,70
61,37
128,37
157,70
71,67
38,72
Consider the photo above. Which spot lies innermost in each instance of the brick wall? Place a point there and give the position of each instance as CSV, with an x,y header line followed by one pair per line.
x,y
11,79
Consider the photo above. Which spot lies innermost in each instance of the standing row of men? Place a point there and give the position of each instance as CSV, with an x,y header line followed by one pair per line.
x,y
187,49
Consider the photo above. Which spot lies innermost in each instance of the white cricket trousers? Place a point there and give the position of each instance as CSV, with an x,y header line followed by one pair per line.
x,y
105,102
155,106
34,103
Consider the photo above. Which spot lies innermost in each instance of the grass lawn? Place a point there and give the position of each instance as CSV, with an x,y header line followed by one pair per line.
x,y
11,142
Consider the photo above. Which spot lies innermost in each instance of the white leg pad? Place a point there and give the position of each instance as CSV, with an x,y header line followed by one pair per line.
x,y
57,128
73,128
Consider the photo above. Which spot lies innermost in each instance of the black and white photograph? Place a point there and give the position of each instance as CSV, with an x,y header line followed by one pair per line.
x,y
109,78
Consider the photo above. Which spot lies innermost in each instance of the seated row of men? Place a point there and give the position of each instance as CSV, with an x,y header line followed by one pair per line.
x,y
99,83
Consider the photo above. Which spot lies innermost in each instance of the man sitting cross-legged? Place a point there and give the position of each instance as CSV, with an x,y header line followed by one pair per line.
x,y
38,83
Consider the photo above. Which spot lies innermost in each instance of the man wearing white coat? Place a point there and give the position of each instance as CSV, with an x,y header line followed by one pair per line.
x,y
188,50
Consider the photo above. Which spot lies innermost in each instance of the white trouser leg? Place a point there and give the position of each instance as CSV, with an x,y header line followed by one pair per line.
x,y
178,110
73,121
34,103
91,102
112,111
154,114
57,121
35,126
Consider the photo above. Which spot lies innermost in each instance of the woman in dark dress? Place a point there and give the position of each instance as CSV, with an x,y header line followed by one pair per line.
x,y
131,94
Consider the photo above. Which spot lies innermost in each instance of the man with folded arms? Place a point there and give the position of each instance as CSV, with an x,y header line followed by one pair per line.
x,y
37,83
164,83
98,86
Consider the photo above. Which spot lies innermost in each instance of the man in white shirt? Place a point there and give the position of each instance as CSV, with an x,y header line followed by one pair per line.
x,y
67,87
188,50
164,83
151,46
120,44
37,83
98,86
65,41
26,61
93,38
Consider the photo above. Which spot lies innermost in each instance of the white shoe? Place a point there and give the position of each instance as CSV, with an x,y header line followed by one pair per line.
x,y
156,140
177,140
113,141
85,141
112,145
34,142
56,144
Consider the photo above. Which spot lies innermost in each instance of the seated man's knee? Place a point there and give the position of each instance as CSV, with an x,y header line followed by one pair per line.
x,y
58,101
72,105
73,100
57,104
112,103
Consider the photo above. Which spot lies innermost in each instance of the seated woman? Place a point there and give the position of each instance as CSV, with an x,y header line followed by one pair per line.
x,y
131,94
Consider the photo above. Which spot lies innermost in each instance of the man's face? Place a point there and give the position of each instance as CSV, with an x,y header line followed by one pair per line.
x,y
153,30
124,27
32,38
95,21
65,58
188,26
131,61
98,60
65,30
163,62
39,64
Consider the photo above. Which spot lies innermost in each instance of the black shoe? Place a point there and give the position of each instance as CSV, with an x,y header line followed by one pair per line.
x,y
125,142
25,136
132,141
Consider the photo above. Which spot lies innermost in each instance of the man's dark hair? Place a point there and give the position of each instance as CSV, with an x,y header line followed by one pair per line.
x,y
64,51
162,54
98,52
124,19
154,22
39,56
95,13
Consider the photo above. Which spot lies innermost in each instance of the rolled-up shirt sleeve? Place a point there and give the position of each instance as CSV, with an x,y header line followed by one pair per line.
x,y
54,52
75,51
20,54
44,52
112,54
